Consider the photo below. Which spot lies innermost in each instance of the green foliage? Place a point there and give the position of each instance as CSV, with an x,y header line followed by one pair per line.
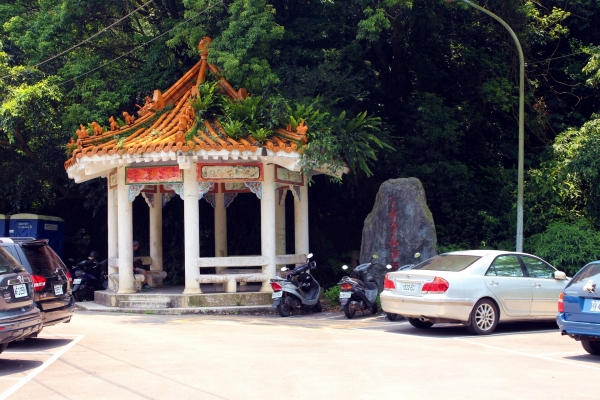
x,y
233,128
209,100
567,246
332,295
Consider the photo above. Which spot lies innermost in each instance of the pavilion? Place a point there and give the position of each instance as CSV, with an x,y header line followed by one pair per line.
x,y
170,150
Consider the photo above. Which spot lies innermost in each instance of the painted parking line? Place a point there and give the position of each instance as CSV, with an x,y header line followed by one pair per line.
x,y
521,353
22,381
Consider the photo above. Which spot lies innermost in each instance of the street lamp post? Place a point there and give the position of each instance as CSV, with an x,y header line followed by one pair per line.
x,y
521,120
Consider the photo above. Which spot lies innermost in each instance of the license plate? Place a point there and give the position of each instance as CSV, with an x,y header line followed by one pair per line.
x,y
20,290
595,307
277,295
58,289
345,295
409,287
76,281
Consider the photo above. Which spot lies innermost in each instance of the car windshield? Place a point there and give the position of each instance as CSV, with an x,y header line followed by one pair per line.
x,y
587,272
43,260
447,262
7,262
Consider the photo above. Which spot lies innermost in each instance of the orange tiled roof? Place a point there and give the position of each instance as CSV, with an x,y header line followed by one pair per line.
x,y
165,120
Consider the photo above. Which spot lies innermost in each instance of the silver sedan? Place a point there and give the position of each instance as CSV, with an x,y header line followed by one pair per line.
x,y
476,288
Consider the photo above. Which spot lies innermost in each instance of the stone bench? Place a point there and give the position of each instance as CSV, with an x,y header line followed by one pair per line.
x,y
230,277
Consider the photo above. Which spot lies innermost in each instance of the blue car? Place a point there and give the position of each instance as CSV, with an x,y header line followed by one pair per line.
x,y
579,308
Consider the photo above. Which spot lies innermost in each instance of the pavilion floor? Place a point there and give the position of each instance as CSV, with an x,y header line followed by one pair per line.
x,y
173,297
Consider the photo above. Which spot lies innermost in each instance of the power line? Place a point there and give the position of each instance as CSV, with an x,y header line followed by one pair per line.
x,y
84,41
141,45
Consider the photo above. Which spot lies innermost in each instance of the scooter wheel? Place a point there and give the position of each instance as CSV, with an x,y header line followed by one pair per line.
x,y
318,307
78,294
284,310
391,317
349,311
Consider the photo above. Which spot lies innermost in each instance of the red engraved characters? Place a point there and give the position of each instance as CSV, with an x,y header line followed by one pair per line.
x,y
394,242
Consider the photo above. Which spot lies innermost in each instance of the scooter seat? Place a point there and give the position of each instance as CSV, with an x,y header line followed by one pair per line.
x,y
370,286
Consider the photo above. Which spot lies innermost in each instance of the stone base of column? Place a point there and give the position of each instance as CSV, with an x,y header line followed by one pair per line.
x,y
266,287
192,291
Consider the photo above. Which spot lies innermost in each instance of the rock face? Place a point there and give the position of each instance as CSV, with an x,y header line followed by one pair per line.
x,y
399,226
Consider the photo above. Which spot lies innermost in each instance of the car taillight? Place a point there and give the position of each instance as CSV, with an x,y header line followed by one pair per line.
x,y
438,285
561,304
346,286
388,283
38,282
275,286
69,277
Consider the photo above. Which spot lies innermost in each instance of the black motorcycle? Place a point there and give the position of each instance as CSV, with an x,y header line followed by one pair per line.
x,y
88,276
358,291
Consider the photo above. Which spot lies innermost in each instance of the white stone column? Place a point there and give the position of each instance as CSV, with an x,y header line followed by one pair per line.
x,y
113,226
268,236
301,221
156,244
280,221
191,229
125,229
220,226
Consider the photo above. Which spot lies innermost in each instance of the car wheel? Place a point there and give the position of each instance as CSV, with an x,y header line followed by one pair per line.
x,y
349,311
374,308
284,310
318,307
592,347
417,323
484,318
391,317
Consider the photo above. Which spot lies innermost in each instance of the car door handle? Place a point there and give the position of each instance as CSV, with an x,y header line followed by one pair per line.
x,y
493,283
536,285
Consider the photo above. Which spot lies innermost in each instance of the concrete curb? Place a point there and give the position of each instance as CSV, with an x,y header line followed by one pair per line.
x,y
237,310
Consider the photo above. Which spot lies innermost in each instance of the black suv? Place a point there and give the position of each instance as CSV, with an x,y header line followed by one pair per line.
x,y
51,278
18,316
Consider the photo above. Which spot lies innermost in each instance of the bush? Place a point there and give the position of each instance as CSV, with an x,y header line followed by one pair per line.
x,y
332,295
566,245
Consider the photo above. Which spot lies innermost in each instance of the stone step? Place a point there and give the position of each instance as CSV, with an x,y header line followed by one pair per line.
x,y
145,297
145,304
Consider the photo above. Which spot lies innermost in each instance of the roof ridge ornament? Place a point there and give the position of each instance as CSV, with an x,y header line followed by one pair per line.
x,y
203,46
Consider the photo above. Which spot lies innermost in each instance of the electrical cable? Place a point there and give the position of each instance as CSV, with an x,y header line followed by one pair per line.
x,y
84,41
141,45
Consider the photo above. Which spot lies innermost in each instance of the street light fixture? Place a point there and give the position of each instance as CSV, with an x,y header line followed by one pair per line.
x,y
521,120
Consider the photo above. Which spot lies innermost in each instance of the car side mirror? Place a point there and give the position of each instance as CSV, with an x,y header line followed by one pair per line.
x,y
559,275
344,267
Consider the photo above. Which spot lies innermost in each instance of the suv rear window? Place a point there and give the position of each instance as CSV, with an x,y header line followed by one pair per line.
x,y
7,262
44,262
589,271
447,262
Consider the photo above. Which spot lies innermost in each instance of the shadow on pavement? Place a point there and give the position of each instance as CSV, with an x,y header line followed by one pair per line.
x,y
457,330
12,367
37,344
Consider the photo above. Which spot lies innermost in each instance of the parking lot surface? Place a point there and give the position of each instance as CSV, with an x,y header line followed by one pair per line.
x,y
106,355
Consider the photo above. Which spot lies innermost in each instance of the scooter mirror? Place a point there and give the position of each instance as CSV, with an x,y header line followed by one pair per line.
x,y
309,255
388,266
284,269
344,267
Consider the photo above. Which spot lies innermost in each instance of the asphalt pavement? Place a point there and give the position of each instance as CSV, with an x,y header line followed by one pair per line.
x,y
310,356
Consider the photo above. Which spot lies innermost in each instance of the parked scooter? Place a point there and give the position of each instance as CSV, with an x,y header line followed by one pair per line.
x,y
300,290
358,291
89,275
